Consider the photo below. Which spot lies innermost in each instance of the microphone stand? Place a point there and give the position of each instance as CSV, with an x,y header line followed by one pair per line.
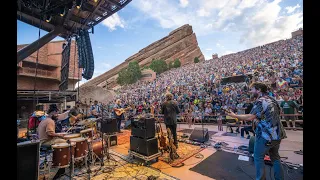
x,y
101,134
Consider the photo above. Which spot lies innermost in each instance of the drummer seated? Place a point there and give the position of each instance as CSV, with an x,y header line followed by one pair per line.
x,y
46,128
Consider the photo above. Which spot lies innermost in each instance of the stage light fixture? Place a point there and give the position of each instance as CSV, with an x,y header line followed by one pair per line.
x,y
95,1
78,4
63,11
48,19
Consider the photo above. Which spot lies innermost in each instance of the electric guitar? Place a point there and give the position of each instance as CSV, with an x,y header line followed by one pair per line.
x,y
120,111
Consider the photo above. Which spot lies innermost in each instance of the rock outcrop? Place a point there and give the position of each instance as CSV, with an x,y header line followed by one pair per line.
x,y
180,43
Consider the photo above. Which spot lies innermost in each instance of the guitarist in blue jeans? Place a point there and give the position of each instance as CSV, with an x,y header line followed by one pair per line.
x,y
269,131
118,118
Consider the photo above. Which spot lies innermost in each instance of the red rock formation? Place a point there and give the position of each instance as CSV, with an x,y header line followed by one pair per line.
x,y
180,43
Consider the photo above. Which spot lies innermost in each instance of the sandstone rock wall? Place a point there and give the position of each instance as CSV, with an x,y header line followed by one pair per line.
x,y
181,43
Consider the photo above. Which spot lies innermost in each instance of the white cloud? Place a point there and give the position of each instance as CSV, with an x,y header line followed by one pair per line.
x,y
219,45
203,13
257,21
99,47
106,65
291,9
184,3
113,22
209,49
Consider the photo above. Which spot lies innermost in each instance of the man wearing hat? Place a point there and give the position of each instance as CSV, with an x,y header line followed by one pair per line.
x,y
46,128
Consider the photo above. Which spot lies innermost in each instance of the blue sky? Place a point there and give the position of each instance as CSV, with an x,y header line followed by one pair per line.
x,y
221,26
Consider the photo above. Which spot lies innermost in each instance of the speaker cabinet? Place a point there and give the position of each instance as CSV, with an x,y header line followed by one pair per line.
x,y
109,125
145,147
199,135
28,160
143,128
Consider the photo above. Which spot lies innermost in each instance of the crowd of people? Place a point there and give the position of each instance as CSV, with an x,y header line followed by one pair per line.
x,y
198,90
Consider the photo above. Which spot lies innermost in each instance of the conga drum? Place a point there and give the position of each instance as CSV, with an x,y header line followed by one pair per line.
x,y
81,147
97,147
61,154
87,133
71,136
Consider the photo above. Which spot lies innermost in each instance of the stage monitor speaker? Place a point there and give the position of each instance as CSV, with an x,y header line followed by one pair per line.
x,y
109,125
28,160
127,124
199,135
145,147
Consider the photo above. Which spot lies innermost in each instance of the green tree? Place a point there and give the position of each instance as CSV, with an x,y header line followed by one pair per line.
x,y
159,66
196,60
129,75
176,63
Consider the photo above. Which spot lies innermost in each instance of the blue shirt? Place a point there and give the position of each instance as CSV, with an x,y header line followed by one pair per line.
x,y
267,111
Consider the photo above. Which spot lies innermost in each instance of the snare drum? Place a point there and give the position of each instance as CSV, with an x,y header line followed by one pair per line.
x,y
81,147
61,154
97,147
87,133
71,136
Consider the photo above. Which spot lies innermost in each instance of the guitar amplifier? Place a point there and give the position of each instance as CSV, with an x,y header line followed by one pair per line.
x,y
143,128
108,125
145,147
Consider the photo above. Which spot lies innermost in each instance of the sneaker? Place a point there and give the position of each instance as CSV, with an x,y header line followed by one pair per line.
x,y
248,137
242,136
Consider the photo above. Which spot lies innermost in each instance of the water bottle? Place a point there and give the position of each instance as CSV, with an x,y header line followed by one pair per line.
x,y
235,148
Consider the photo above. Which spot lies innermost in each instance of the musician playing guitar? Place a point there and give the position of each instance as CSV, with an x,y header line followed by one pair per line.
x,y
118,112
269,131
95,110
75,113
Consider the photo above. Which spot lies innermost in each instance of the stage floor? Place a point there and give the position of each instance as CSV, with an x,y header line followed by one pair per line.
x,y
294,142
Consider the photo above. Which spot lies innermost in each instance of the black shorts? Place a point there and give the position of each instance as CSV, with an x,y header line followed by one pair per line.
x,y
287,118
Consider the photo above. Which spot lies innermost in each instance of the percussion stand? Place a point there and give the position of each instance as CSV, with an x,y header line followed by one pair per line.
x,y
86,161
71,160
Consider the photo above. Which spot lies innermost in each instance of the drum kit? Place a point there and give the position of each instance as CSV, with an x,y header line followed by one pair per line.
x,y
85,146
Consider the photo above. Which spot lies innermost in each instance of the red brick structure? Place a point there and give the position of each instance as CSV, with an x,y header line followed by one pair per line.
x,y
297,33
49,67
215,56
48,73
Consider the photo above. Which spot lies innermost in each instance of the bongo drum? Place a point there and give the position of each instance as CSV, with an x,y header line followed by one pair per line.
x,y
61,154
81,147
71,136
97,147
